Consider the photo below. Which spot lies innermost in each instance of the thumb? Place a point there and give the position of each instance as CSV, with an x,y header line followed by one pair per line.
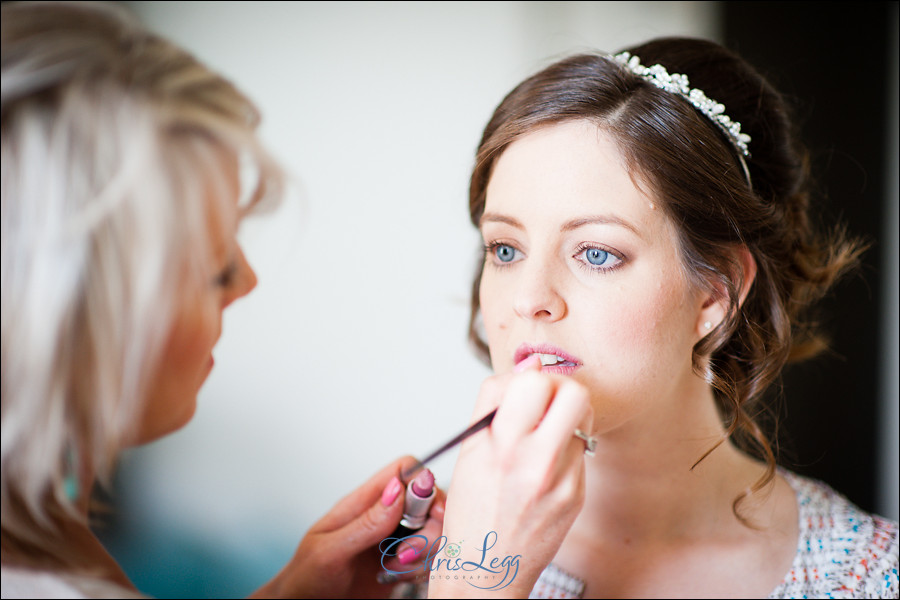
x,y
377,522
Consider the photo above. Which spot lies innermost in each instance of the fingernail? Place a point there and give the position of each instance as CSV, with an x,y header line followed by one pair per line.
x,y
391,492
407,556
528,363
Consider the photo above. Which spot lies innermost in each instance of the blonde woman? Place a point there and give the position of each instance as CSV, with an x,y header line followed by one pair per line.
x,y
121,198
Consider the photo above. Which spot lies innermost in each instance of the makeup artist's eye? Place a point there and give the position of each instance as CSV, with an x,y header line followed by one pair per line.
x,y
597,259
502,254
226,276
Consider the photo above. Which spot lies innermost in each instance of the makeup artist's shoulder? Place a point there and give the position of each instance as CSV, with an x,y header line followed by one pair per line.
x,y
17,582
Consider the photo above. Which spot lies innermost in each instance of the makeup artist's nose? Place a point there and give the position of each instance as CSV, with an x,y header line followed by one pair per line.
x,y
537,296
245,278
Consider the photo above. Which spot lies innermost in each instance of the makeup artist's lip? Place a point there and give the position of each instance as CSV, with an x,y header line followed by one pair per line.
x,y
568,365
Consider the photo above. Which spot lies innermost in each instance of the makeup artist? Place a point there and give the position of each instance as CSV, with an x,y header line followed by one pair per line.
x,y
120,206
120,210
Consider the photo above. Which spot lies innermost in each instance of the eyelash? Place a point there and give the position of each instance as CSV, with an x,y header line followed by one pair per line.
x,y
490,250
585,246
490,254
226,276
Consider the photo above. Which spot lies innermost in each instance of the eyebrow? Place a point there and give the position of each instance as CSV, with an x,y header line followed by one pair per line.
x,y
599,220
498,218
567,226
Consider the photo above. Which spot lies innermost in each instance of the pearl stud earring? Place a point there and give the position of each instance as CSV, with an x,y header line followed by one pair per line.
x,y
707,325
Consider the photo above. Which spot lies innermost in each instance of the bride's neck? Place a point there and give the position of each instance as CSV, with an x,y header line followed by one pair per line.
x,y
646,482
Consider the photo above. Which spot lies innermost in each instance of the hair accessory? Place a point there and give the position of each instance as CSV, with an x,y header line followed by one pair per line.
x,y
679,84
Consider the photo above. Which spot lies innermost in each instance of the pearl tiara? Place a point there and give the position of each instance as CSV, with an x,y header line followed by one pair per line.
x,y
678,84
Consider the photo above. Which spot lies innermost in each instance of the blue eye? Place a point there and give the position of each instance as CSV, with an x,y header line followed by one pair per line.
x,y
598,259
596,256
504,253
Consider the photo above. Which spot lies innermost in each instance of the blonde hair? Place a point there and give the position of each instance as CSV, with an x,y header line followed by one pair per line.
x,y
111,140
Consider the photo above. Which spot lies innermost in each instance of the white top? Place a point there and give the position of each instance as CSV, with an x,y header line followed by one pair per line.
x,y
26,583
842,552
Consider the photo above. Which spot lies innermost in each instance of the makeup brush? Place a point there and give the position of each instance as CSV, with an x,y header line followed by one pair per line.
x,y
474,428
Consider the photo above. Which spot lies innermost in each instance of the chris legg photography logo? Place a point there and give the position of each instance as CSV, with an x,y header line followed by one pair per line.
x,y
442,560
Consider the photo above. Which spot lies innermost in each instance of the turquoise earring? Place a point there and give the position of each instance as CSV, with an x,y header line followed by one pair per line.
x,y
71,484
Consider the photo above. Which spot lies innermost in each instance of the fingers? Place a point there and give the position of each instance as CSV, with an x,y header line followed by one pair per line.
x,y
381,487
537,418
382,516
550,405
532,363
493,388
526,401
408,555
523,478
570,410
489,396
372,525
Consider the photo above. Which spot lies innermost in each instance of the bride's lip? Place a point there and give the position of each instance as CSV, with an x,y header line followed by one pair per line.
x,y
566,367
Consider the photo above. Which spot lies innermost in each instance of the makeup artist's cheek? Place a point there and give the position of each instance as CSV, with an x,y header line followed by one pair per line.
x,y
189,349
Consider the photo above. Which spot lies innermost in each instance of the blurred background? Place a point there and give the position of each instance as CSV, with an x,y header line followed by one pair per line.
x,y
353,349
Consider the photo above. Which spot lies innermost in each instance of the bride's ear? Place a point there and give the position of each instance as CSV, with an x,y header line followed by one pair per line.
x,y
715,305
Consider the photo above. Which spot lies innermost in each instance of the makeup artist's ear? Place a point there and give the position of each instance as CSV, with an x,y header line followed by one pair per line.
x,y
715,303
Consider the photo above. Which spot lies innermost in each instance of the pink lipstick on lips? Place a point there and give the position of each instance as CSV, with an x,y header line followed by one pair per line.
x,y
553,358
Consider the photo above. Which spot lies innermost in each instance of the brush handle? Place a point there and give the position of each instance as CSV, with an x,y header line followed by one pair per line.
x,y
474,428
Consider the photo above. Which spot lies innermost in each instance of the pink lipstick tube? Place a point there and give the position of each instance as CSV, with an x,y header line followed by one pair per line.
x,y
419,496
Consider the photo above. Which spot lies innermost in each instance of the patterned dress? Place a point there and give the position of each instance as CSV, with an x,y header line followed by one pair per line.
x,y
842,552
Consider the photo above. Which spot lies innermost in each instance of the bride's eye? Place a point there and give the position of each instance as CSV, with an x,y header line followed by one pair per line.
x,y
596,256
598,259
502,254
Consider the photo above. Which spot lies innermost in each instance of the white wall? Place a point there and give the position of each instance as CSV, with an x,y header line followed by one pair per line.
x,y
352,351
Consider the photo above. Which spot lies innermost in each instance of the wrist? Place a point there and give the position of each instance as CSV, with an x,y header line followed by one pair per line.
x,y
477,565
445,586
